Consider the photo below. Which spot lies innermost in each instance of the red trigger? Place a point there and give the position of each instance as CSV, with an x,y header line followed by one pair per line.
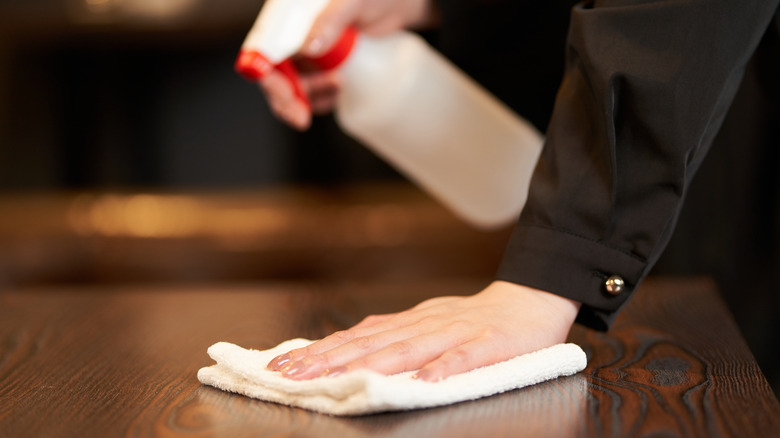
x,y
288,69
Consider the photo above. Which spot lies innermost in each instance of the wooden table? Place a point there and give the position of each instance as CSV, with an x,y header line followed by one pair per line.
x,y
111,361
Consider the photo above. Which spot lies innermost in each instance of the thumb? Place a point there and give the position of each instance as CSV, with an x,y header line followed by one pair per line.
x,y
329,26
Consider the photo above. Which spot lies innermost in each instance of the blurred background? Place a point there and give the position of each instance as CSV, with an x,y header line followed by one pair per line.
x,y
131,152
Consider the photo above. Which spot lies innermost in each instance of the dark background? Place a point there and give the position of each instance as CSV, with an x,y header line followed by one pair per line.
x,y
134,95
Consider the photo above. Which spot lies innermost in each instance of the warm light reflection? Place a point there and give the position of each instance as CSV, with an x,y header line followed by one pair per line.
x,y
157,9
137,216
97,2
100,6
240,226
153,216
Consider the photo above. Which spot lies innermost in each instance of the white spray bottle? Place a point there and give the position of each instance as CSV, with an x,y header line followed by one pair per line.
x,y
414,108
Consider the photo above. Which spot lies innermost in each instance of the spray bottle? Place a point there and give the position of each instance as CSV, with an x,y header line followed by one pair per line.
x,y
412,107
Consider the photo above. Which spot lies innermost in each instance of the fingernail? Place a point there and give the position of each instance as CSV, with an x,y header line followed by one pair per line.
x,y
278,362
300,121
335,372
296,117
314,46
294,369
425,375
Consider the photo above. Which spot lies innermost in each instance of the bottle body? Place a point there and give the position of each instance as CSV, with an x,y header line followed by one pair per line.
x,y
411,106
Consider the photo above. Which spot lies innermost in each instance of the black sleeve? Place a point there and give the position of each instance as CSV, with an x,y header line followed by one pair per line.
x,y
646,86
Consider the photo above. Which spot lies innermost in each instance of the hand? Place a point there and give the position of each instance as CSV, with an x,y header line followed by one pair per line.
x,y
321,87
441,336
374,17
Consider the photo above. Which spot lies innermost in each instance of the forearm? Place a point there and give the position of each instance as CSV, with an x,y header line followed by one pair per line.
x,y
645,89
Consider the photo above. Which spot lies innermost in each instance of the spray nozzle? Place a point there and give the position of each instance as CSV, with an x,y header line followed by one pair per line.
x,y
253,65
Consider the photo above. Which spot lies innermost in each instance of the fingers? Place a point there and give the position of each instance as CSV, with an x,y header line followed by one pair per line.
x,y
371,17
372,320
407,355
465,357
322,87
329,26
361,352
387,352
406,324
386,344
440,337
367,327
283,101
362,344
371,334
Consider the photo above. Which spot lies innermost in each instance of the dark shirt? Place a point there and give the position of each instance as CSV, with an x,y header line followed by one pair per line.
x,y
645,89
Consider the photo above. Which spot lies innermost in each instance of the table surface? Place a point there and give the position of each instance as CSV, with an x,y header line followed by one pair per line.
x,y
122,360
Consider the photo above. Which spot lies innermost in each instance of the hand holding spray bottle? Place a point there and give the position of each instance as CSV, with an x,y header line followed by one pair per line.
x,y
412,107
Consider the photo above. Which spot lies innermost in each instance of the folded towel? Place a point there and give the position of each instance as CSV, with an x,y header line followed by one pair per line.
x,y
363,391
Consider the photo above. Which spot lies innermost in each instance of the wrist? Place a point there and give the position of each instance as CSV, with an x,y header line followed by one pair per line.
x,y
560,308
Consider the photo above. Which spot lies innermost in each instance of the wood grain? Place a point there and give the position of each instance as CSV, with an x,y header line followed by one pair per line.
x,y
675,356
121,361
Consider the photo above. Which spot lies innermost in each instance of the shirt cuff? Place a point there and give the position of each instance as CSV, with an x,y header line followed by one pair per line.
x,y
573,267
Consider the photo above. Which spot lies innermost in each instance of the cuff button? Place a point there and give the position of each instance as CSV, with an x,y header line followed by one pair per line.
x,y
614,285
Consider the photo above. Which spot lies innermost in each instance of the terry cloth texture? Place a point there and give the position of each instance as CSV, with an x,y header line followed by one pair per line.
x,y
363,392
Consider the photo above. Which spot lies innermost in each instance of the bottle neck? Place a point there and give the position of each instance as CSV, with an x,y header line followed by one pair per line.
x,y
338,53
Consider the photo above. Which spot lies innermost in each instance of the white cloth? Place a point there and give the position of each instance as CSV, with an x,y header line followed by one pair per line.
x,y
363,392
